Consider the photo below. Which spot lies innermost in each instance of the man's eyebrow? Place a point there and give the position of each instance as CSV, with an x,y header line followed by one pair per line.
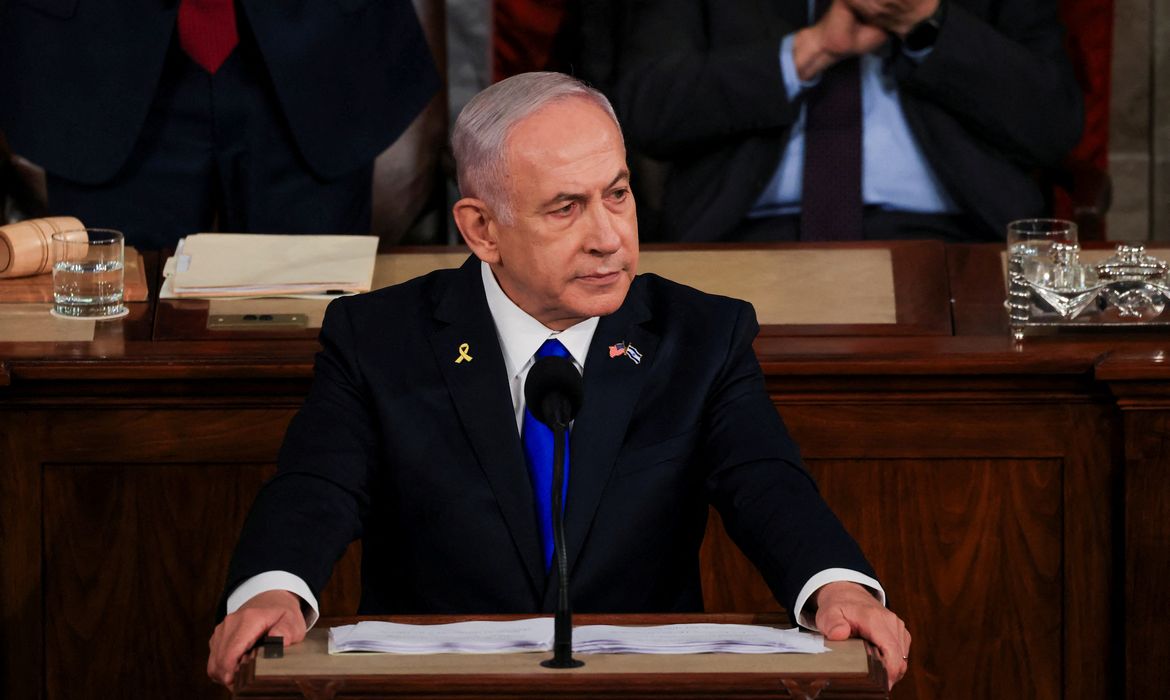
x,y
623,174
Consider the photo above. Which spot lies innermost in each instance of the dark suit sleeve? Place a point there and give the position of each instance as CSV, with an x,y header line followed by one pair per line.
x,y
1007,79
675,93
769,504
306,515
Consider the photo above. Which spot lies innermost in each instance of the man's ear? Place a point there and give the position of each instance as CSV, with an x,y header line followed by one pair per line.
x,y
477,224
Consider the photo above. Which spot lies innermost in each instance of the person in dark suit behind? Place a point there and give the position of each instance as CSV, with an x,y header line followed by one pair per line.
x,y
954,107
167,118
413,436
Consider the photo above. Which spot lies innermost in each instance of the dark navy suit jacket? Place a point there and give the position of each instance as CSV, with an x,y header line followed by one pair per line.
x,y
77,77
698,85
419,456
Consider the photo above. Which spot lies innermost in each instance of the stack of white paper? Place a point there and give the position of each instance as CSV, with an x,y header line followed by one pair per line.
x,y
478,637
210,265
536,634
698,638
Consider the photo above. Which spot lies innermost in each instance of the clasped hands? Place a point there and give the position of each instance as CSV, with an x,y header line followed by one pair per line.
x,y
852,28
843,610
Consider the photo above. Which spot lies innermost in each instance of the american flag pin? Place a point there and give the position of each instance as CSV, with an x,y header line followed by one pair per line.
x,y
617,349
633,354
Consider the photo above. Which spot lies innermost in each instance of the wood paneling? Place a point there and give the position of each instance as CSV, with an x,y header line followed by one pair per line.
x,y
958,496
1147,534
922,480
121,521
118,522
1138,379
134,568
21,609
970,553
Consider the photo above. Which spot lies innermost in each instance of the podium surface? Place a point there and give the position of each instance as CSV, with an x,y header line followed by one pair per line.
x,y
849,670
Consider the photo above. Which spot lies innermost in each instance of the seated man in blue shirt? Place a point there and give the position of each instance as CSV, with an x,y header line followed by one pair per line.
x,y
847,119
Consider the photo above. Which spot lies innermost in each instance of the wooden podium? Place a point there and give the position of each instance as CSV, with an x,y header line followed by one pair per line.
x,y
850,670
1013,498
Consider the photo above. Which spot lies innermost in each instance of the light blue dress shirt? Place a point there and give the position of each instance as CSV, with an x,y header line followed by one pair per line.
x,y
895,173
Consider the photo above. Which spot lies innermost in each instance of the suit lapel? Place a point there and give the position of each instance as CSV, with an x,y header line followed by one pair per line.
x,y
479,389
612,388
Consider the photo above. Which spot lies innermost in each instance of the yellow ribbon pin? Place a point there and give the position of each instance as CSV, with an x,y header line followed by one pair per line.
x,y
463,353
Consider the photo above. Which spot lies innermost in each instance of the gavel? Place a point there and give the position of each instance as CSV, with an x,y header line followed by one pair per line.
x,y
26,247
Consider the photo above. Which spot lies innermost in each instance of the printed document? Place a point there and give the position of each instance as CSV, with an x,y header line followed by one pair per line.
x,y
536,634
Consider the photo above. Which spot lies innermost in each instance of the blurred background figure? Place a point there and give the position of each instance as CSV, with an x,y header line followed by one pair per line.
x,y
846,119
22,192
167,118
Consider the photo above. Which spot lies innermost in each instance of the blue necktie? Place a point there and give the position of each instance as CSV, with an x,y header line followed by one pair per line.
x,y
538,451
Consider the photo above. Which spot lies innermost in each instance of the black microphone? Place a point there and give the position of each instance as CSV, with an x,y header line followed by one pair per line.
x,y
553,392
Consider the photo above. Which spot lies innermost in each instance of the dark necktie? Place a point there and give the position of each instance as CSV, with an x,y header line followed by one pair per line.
x,y
538,451
831,204
207,31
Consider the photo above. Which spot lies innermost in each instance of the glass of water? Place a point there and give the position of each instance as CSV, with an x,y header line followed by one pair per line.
x,y
88,274
1033,240
1031,244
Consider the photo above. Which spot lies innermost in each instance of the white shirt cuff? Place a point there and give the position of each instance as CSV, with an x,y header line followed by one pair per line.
x,y
793,85
276,581
830,576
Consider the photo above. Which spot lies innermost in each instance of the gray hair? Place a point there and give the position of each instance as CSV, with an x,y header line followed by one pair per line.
x,y
482,129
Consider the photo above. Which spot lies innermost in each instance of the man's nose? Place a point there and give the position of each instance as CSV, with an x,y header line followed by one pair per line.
x,y
605,232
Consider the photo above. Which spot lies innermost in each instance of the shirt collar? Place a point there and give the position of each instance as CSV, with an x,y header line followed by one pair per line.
x,y
521,335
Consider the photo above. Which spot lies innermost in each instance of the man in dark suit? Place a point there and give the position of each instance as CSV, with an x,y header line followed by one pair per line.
x,y
411,437
958,105
167,117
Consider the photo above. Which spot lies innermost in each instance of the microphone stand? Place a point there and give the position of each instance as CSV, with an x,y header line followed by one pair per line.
x,y
563,624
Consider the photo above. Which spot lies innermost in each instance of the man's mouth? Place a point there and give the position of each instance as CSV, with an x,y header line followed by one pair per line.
x,y
601,277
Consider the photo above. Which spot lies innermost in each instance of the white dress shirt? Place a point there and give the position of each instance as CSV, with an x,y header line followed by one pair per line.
x,y
520,336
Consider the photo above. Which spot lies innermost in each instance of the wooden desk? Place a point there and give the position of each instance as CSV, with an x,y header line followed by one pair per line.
x,y
1013,498
850,670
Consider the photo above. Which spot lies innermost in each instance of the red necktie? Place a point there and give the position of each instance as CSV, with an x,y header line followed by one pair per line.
x,y
831,207
207,31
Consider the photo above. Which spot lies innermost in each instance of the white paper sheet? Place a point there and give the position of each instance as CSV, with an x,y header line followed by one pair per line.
x,y
536,634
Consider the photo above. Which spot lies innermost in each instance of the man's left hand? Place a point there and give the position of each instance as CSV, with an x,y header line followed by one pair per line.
x,y
846,609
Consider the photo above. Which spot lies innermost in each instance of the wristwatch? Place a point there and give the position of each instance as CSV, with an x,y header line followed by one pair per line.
x,y
922,35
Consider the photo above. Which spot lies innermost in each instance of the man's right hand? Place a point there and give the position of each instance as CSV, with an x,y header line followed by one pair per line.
x,y
276,613
839,34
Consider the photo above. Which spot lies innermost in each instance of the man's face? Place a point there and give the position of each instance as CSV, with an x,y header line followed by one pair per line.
x,y
571,250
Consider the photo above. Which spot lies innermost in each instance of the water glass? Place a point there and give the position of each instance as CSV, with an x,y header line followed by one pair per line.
x,y
1033,239
88,274
1030,248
